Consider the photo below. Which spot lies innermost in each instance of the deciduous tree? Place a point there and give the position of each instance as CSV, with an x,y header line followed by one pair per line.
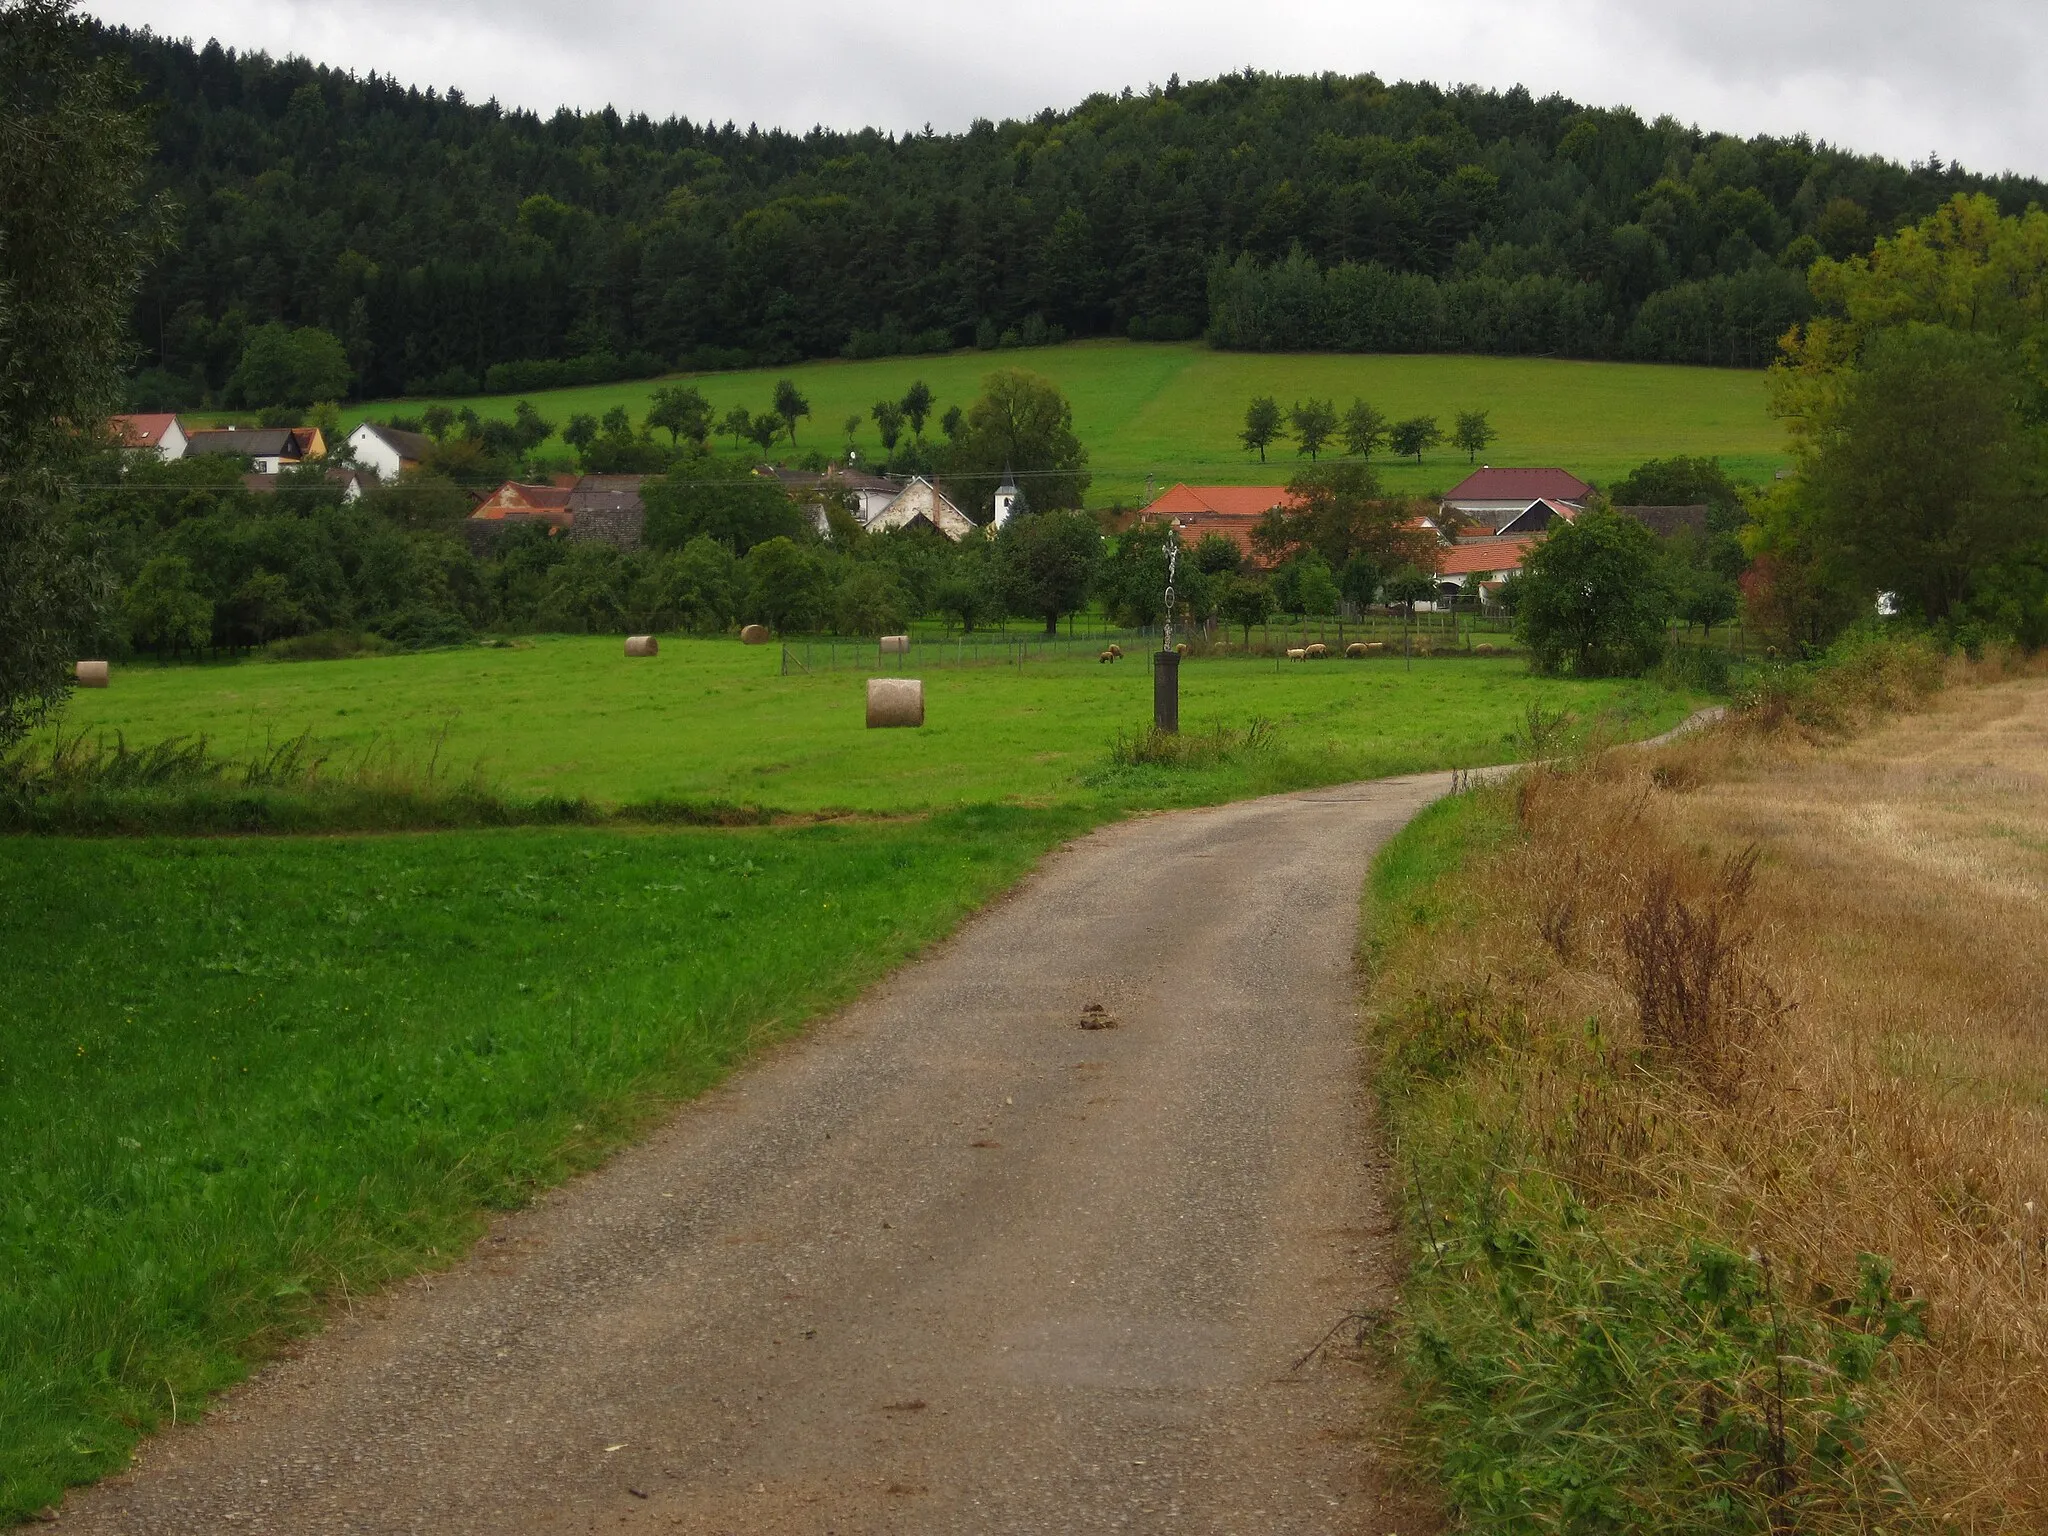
x,y
790,406
1313,424
1472,433
917,405
1262,424
1365,429
1415,435
1594,598
1020,423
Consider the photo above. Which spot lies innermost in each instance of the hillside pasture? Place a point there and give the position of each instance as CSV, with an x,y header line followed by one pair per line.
x,y
1162,412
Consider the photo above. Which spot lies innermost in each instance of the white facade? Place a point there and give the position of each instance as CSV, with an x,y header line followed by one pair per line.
x,y
172,444
375,452
1006,501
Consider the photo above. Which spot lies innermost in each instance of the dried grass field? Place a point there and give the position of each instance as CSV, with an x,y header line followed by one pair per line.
x,y
1720,1078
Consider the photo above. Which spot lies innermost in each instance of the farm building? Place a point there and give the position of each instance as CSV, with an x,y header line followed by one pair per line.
x,y
867,494
1496,497
349,480
1483,563
163,432
607,508
1230,510
387,452
268,449
920,503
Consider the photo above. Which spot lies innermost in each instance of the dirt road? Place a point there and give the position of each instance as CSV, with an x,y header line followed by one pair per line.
x,y
952,1263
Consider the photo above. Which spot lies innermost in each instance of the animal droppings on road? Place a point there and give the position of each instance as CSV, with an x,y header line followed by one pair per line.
x,y
1095,1016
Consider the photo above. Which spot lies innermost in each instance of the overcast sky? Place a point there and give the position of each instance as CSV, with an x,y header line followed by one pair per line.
x,y
1966,79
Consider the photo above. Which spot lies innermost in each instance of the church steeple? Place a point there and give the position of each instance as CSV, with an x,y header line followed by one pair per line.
x,y
1009,500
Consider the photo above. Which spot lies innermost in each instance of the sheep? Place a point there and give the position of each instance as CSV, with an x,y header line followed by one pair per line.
x,y
1318,652
1297,654
1108,655
1354,650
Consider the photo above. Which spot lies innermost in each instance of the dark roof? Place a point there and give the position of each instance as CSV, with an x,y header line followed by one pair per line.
x,y
835,477
1665,521
408,445
250,442
264,485
595,491
1523,485
1538,516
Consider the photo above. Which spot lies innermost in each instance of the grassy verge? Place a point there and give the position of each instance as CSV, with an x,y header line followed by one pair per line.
x,y
1718,1123
239,1078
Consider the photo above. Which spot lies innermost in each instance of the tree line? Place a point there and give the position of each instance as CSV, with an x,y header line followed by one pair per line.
x,y
1362,430
449,246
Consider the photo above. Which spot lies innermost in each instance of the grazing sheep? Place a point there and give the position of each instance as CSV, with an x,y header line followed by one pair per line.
x,y
1318,652
1108,655
1117,651
1355,649
1375,647
1483,648
1299,653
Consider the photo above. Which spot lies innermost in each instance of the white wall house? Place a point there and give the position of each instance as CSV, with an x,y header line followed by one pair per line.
x,y
163,432
387,452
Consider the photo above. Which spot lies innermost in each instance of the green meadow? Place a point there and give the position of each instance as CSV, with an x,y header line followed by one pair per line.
x,y
1160,412
243,1077
714,720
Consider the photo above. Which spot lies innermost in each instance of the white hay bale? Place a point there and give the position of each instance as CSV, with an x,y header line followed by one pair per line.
x,y
642,645
895,645
754,634
895,701
1299,653
91,674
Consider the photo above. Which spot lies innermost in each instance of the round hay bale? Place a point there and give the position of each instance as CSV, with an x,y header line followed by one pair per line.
x,y
895,645
754,634
91,674
895,701
1299,653
1355,650
1180,647
642,645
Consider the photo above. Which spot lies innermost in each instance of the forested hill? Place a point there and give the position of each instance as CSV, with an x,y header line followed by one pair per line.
x,y
439,237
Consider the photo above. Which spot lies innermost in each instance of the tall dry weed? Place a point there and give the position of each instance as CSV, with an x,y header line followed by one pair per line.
x,y
1789,991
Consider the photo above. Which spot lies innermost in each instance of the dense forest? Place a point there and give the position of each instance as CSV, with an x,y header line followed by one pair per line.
x,y
440,238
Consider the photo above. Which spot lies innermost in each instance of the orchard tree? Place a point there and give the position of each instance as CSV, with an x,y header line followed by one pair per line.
x,y
1261,425
1314,424
1048,564
682,411
1595,598
790,406
1020,424
735,424
888,416
1412,437
1473,433
917,405
1246,602
765,428
1365,430
73,154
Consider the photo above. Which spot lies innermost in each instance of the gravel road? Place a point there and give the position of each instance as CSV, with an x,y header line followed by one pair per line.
x,y
950,1263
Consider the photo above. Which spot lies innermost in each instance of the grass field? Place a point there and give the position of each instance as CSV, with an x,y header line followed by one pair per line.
x,y
1171,411
713,720
243,1077
240,1078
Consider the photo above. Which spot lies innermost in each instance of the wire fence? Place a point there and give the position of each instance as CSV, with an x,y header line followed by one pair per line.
x,y
1433,634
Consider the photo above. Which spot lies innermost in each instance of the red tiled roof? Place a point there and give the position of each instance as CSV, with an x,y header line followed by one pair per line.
x,y
516,500
1519,485
1486,555
1221,500
144,431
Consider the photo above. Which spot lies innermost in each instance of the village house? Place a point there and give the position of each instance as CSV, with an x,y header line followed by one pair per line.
x,y
268,449
606,508
1492,498
388,452
1230,510
866,495
922,504
349,480
163,432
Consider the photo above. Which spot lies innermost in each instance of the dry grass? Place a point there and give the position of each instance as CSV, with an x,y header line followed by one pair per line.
x,y
1790,992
